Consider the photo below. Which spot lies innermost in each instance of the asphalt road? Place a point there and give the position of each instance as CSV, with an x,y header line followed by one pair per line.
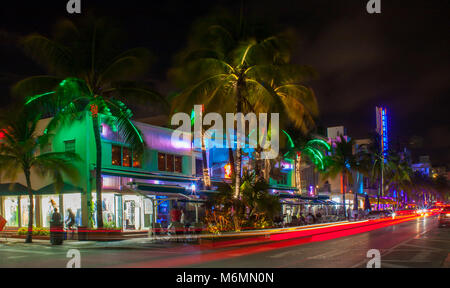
x,y
416,243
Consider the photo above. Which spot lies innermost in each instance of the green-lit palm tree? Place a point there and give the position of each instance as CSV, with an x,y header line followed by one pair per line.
x,y
342,162
21,152
312,147
227,71
85,62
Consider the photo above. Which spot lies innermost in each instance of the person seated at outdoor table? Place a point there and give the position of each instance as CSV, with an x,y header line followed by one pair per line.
x,y
318,217
302,219
294,221
310,219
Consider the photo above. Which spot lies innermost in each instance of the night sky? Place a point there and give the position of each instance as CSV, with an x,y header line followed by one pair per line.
x,y
399,58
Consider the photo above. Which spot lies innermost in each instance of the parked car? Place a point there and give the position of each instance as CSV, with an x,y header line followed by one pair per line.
x,y
444,217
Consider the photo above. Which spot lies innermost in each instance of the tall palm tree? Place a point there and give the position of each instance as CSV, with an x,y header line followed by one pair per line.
x,y
20,153
342,162
89,55
227,71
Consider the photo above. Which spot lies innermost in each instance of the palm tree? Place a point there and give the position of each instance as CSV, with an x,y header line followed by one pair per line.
x,y
227,71
19,154
342,162
373,163
86,64
398,175
312,147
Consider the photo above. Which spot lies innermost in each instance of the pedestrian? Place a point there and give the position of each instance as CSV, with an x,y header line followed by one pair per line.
x,y
70,221
182,216
56,233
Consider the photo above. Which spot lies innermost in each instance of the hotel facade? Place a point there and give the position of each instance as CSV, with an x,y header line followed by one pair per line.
x,y
137,192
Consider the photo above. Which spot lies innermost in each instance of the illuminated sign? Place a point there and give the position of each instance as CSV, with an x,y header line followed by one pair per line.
x,y
382,129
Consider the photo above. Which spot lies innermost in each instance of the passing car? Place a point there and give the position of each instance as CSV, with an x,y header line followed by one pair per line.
x,y
444,217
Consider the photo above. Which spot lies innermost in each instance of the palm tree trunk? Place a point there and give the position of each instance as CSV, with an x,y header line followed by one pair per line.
x,y
343,192
30,209
238,173
206,178
258,164
378,195
298,180
239,89
98,170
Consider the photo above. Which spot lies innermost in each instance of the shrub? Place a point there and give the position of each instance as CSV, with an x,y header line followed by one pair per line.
x,y
37,231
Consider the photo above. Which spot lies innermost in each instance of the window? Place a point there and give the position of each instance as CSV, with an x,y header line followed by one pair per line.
x,y
136,160
170,163
161,162
116,155
178,164
124,156
69,146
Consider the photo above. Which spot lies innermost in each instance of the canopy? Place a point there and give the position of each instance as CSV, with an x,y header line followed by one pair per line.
x,y
51,189
13,189
149,176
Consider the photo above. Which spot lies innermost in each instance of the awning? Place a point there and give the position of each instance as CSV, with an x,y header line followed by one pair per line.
x,y
149,176
13,189
206,192
283,188
330,202
157,188
51,189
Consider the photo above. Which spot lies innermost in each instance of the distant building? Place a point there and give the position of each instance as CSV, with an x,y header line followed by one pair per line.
x,y
423,167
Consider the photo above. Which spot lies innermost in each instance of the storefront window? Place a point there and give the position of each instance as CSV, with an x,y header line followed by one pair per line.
x,y
25,207
126,157
11,211
48,204
108,209
73,202
116,155
132,212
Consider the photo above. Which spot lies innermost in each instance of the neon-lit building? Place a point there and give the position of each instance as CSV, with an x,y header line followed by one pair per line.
x,y
131,186
136,192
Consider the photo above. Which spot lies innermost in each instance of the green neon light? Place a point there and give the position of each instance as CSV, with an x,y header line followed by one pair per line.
x,y
316,156
137,132
320,141
289,138
38,96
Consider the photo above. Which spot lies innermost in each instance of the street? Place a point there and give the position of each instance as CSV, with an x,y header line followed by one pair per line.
x,y
415,243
